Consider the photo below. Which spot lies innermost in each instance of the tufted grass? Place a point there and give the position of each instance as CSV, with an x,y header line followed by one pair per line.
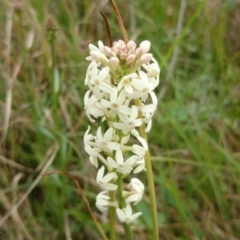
x,y
194,142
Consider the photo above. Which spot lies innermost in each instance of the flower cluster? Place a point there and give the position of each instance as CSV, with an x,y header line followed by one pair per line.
x,y
116,77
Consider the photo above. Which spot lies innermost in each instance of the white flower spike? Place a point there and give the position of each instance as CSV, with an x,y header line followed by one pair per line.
x,y
115,77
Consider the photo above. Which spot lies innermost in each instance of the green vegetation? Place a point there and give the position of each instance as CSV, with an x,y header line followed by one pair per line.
x,y
194,142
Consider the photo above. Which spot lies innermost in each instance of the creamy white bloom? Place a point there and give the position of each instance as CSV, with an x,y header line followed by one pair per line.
x,y
124,167
88,139
128,123
92,107
125,215
105,181
126,82
139,166
138,149
103,201
116,103
102,76
136,192
99,49
105,142
153,70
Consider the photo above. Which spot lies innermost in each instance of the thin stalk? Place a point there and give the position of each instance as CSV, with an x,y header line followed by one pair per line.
x,y
53,70
112,217
122,204
150,180
120,22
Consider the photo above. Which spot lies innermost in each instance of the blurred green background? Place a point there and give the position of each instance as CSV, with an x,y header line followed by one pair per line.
x,y
194,142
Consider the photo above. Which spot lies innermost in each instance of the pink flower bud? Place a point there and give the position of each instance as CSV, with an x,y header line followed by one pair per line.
x,y
145,46
131,45
131,58
139,51
109,52
146,58
121,43
123,56
114,61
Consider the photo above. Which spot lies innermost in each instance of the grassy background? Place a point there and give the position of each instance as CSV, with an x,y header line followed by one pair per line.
x,y
194,142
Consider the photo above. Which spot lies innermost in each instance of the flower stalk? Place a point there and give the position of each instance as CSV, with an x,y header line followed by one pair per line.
x,y
150,181
112,217
122,204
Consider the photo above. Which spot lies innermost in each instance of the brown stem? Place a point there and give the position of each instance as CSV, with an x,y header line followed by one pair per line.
x,y
120,22
107,29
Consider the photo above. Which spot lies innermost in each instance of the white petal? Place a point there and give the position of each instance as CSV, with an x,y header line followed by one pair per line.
x,y
95,112
154,98
120,126
113,163
128,210
92,47
124,110
109,177
100,174
99,133
105,87
108,135
109,186
121,214
134,198
119,157
139,169
113,146
136,215
93,160
123,117
134,113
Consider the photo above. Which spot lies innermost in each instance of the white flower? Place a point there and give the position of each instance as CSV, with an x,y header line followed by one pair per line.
x,y
88,139
126,82
102,201
99,77
128,123
140,150
136,193
116,103
139,166
153,70
105,141
93,108
125,215
99,50
124,167
143,84
104,181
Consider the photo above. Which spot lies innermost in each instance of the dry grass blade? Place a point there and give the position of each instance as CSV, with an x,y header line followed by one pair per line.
x,y
20,228
107,29
176,50
67,228
13,164
120,22
84,199
53,150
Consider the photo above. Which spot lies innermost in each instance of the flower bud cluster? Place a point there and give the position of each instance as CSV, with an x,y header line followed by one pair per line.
x,y
116,77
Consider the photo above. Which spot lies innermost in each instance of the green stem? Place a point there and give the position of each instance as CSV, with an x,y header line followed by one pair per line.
x,y
150,180
112,217
122,204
